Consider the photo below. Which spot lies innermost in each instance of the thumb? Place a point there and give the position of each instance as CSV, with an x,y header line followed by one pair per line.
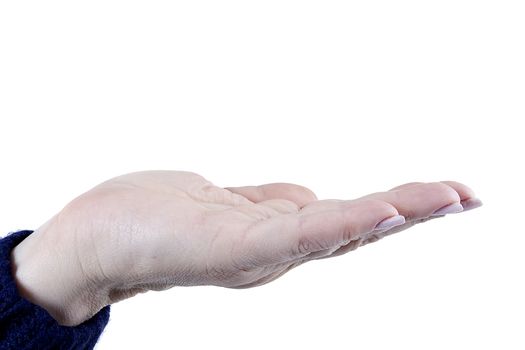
x,y
300,195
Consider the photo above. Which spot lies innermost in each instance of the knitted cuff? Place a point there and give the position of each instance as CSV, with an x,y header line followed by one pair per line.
x,y
24,325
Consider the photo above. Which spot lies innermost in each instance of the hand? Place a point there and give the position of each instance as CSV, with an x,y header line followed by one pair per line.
x,y
154,230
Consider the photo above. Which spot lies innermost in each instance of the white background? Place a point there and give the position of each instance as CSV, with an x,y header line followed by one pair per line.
x,y
345,97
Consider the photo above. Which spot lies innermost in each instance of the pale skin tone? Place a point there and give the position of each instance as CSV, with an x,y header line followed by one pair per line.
x,y
154,230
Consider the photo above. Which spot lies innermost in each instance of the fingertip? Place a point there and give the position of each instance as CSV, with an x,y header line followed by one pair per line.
x,y
471,203
452,208
296,193
406,185
463,190
390,222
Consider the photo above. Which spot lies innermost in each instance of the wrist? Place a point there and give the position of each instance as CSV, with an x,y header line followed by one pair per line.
x,y
48,275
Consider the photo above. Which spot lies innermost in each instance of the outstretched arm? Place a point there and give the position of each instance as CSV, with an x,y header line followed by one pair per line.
x,y
154,230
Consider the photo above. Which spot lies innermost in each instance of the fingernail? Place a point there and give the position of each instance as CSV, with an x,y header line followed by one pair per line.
x,y
390,222
448,209
471,203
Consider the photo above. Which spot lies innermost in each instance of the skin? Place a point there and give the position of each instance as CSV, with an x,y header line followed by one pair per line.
x,y
154,230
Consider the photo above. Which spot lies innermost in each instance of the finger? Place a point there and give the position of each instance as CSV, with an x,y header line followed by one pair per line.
x,y
466,194
421,200
370,238
292,192
468,201
407,185
464,191
375,236
289,237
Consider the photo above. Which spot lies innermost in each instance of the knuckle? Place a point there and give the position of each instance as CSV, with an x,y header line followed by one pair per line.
x,y
307,246
304,247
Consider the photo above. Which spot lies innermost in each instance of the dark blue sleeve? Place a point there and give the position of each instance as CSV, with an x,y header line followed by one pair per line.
x,y
24,325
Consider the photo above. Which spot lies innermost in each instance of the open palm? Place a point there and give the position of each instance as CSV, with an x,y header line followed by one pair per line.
x,y
158,229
